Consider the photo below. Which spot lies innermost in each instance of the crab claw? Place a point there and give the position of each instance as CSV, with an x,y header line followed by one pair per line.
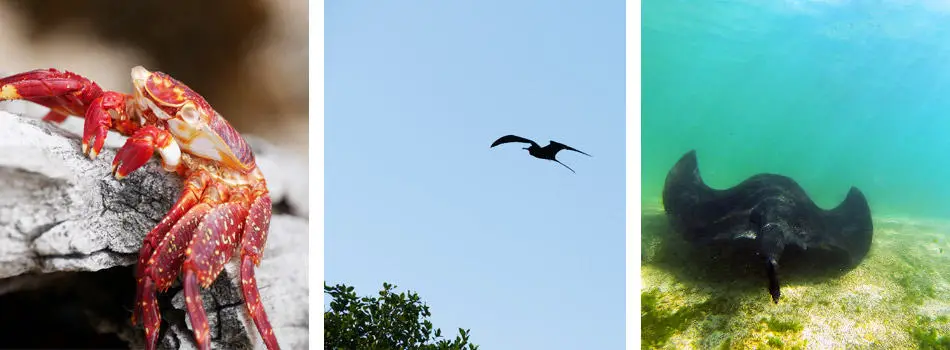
x,y
139,148
99,117
94,131
131,156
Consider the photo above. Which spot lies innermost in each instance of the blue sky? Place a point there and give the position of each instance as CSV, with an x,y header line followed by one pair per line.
x,y
521,251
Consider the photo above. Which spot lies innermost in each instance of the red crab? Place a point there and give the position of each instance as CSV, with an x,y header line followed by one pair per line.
x,y
224,208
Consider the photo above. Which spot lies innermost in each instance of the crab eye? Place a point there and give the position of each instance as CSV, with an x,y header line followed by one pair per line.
x,y
140,74
189,113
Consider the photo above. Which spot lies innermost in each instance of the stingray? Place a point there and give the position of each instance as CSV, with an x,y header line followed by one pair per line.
x,y
768,213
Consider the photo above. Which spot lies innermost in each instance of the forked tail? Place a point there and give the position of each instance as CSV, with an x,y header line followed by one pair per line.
x,y
565,165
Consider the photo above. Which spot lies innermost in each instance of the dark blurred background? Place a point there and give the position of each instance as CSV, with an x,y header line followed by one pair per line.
x,y
247,57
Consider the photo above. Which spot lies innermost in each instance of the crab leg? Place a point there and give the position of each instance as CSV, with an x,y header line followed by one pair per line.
x,y
162,269
67,93
252,246
63,92
194,187
211,247
169,258
54,117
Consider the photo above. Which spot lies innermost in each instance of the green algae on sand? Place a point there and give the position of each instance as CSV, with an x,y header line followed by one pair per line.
x,y
898,297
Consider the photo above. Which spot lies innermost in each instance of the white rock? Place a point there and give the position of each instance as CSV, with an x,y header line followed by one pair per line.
x,y
62,212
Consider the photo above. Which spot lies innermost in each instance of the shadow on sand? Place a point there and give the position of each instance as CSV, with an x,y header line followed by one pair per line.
x,y
732,276
734,266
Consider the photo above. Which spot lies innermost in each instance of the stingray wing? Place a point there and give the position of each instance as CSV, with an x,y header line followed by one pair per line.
x,y
694,209
560,146
511,138
703,214
849,226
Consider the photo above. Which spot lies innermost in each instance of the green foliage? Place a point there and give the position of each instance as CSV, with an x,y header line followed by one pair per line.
x,y
389,321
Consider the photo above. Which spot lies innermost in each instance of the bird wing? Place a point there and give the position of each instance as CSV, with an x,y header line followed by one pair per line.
x,y
560,146
511,138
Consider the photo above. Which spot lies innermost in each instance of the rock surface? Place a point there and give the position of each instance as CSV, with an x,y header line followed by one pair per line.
x,y
63,215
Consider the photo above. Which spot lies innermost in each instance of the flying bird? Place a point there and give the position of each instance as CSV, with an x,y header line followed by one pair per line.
x,y
547,152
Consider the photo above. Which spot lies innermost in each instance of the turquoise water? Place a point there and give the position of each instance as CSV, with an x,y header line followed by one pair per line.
x,y
833,94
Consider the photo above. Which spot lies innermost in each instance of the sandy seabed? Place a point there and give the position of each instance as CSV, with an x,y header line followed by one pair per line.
x,y
897,298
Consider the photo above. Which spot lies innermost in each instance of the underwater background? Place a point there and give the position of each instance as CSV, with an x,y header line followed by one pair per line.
x,y
833,94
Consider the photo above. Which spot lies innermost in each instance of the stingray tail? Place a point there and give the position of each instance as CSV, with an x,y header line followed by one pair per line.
x,y
853,216
772,272
771,234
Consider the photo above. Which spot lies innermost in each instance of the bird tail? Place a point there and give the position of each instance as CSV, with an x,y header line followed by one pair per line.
x,y
565,165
